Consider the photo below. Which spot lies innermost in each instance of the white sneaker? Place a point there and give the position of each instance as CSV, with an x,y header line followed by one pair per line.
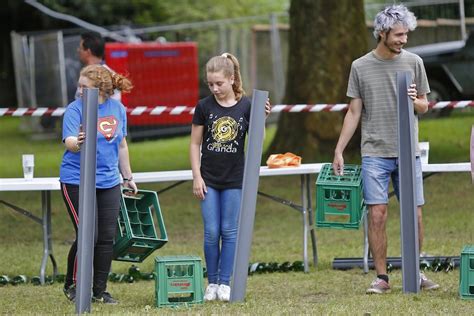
x,y
426,284
223,293
211,292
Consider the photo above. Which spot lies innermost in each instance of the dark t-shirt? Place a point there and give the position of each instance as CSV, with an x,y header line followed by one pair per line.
x,y
225,128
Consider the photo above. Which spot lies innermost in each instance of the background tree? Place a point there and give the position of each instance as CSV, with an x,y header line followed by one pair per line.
x,y
325,37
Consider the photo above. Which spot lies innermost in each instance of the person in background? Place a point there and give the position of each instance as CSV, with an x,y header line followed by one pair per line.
x,y
91,51
112,161
373,91
219,127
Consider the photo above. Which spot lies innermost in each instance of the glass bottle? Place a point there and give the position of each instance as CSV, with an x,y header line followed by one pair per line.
x,y
4,280
19,279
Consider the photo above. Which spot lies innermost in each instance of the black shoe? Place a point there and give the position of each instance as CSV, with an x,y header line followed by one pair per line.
x,y
70,292
105,298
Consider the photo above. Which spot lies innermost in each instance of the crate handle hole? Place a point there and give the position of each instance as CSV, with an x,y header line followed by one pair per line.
x,y
180,297
337,194
179,271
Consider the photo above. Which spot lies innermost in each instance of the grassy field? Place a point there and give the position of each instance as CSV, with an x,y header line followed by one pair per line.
x,y
277,236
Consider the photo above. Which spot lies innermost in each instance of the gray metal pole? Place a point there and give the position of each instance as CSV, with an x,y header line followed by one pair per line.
x,y
277,60
87,202
222,38
406,171
366,240
253,158
62,67
462,19
31,64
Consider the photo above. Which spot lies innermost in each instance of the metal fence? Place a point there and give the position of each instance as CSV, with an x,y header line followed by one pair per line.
x,y
423,9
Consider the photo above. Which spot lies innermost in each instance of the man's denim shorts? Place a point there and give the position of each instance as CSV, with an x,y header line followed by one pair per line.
x,y
376,174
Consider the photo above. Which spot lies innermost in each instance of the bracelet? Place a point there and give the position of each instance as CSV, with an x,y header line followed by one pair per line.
x,y
127,179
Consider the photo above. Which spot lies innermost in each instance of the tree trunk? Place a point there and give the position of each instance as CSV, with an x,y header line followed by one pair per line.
x,y
325,37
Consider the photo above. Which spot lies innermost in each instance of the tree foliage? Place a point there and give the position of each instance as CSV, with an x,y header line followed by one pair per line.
x,y
179,11
151,12
105,13
325,37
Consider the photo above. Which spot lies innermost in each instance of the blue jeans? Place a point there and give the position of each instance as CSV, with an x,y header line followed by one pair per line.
x,y
376,174
220,214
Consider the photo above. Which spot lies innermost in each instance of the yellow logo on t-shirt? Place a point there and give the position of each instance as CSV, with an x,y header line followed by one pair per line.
x,y
224,129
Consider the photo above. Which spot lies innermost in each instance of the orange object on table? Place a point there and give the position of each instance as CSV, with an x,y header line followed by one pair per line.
x,y
283,160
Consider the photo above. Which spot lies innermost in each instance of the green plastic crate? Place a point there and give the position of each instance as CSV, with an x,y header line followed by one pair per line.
x,y
466,273
179,280
339,199
137,235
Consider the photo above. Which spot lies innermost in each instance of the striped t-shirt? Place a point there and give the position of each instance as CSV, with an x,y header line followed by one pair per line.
x,y
374,80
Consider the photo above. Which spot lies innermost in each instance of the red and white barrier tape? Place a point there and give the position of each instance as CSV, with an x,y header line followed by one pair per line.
x,y
187,110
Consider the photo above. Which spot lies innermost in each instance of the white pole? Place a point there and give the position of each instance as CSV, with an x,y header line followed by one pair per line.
x,y
462,17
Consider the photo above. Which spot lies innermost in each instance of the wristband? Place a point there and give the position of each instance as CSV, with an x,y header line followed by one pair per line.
x,y
127,179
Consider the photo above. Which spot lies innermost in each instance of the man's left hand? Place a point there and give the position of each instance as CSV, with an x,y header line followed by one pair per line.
x,y
412,93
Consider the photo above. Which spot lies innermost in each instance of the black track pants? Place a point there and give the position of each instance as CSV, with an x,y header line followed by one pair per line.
x,y
108,206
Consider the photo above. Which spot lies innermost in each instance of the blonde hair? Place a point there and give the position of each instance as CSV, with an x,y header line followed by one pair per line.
x,y
105,80
229,64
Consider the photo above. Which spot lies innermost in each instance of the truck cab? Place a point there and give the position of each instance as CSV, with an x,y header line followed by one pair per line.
x,y
450,69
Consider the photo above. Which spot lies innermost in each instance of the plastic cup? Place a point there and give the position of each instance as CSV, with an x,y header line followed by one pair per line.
x,y
28,166
424,152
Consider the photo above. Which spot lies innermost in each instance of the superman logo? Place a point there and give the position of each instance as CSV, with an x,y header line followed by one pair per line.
x,y
107,126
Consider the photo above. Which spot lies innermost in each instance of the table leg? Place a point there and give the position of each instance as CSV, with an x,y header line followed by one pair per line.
x,y
311,220
304,213
366,240
47,243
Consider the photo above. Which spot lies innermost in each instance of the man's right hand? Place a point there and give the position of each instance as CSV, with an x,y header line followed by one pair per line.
x,y
338,164
351,121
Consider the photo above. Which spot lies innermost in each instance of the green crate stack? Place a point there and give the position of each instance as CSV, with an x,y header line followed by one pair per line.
x,y
466,273
339,199
137,235
179,280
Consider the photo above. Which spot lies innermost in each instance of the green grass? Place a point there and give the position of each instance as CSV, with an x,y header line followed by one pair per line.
x,y
448,137
277,237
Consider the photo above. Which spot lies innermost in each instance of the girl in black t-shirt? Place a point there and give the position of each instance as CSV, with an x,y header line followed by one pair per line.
x,y
219,127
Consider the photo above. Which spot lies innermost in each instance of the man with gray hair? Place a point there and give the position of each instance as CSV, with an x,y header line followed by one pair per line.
x,y
373,91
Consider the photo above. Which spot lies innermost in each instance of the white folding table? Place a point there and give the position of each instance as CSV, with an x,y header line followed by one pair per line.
x,y
46,185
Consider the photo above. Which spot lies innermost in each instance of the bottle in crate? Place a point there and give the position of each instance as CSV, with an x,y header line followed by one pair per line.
x,y
339,199
4,280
